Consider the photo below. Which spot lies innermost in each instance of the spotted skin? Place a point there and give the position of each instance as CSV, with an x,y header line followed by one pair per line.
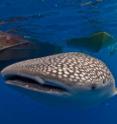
x,y
76,70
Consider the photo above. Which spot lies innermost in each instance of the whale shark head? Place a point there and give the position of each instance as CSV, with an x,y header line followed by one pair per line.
x,y
72,75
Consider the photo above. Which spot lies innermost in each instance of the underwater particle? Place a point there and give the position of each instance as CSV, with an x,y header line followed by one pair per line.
x,y
95,42
72,85
14,48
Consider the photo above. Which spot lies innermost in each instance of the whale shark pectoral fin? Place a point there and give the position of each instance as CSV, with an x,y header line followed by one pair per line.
x,y
115,91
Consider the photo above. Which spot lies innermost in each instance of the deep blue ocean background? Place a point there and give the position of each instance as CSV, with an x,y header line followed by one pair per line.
x,y
55,21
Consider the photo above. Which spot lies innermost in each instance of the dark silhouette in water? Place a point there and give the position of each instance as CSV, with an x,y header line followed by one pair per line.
x,y
14,48
94,42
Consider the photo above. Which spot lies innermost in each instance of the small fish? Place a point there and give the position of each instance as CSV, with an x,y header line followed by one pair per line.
x,y
73,75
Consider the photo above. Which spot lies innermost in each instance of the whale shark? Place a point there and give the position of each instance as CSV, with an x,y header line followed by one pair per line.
x,y
75,76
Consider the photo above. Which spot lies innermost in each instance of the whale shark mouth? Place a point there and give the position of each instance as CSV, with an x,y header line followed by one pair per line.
x,y
48,86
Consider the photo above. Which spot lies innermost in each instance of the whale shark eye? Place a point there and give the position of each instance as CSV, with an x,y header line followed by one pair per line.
x,y
93,86
104,82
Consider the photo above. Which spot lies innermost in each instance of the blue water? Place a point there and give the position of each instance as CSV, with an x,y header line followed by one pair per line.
x,y
55,21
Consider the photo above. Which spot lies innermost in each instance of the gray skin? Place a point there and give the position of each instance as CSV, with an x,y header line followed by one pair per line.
x,y
71,75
